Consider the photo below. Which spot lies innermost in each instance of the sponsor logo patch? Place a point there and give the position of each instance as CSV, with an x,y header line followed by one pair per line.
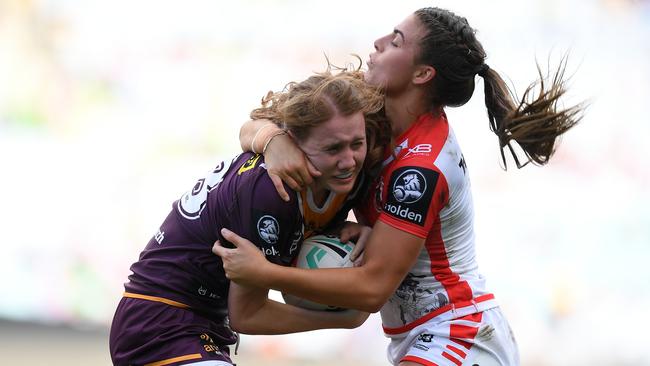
x,y
410,192
249,164
268,229
208,344
424,337
421,149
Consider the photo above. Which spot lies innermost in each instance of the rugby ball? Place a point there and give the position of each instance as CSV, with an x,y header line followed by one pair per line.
x,y
320,251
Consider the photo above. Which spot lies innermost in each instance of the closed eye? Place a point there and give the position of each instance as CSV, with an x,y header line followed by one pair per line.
x,y
398,39
358,144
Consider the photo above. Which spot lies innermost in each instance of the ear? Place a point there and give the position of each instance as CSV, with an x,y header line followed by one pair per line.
x,y
423,74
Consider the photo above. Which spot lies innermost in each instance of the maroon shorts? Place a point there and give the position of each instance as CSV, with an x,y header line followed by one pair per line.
x,y
145,332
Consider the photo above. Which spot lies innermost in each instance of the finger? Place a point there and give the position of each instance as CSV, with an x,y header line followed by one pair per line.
x,y
344,235
298,178
218,249
235,239
360,245
277,182
356,252
291,183
359,261
312,169
304,176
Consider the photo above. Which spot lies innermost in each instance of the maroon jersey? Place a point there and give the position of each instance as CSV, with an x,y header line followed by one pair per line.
x,y
178,267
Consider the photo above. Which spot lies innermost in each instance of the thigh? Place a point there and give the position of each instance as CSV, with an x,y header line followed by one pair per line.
x,y
146,332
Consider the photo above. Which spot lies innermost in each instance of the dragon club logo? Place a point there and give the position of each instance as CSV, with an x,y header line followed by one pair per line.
x,y
409,186
268,229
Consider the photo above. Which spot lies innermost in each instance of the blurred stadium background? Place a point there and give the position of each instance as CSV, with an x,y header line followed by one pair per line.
x,y
109,110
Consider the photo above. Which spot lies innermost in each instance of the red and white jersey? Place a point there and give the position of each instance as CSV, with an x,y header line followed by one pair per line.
x,y
424,189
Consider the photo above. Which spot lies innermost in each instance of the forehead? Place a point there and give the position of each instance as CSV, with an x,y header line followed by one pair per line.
x,y
338,128
411,29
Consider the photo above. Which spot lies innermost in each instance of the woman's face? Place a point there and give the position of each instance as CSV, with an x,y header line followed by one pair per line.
x,y
337,148
393,63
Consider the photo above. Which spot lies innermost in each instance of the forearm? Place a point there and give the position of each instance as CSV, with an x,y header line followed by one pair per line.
x,y
278,318
335,287
254,134
366,287
388,256
251,312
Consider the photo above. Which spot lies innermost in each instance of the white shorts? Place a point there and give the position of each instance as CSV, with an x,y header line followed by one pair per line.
x,y
482,338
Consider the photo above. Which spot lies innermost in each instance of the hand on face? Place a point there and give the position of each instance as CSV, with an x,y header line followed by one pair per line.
x,y
286,162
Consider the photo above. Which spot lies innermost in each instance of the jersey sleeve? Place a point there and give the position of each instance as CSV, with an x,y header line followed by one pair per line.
x,y
273,225
414,196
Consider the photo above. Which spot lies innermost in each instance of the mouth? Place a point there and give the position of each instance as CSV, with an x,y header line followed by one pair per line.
x,y
347,175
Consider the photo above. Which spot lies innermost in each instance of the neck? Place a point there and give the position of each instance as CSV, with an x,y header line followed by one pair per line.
x,y
402,110
319,194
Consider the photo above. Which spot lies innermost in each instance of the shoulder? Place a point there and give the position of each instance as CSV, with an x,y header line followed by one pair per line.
x,y
256,186
413,180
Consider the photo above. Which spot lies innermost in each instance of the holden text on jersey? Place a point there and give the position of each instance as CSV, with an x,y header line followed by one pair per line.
x,y
404,212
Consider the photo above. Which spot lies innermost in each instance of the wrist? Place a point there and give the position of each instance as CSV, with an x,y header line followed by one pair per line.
x,y
271,138
266,275
263,137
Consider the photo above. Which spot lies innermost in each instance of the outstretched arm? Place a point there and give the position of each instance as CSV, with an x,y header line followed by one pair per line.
x,y
384,266
252,312
284,160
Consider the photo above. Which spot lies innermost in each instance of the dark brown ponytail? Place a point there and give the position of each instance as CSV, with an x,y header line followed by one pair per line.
x,y
534,122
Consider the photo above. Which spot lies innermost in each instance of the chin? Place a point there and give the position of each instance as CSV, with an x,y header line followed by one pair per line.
x,y
342,188
367,77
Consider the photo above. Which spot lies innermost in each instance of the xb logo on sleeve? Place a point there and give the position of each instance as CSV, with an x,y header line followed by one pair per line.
x,y
410,192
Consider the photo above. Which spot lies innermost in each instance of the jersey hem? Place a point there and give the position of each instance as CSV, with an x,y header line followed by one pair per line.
x,y
156,299
418,360
447,312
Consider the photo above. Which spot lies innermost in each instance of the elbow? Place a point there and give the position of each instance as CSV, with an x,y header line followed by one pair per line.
x,y
242,327
236,323
239,324
373,306
373,301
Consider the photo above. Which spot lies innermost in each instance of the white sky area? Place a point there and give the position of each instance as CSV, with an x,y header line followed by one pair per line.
x,y
110,110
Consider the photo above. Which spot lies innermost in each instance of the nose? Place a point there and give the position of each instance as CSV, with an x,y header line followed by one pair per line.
x,y
380,43
346,160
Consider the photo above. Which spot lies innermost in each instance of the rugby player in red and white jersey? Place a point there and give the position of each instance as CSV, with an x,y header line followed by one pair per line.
x,y
419,264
